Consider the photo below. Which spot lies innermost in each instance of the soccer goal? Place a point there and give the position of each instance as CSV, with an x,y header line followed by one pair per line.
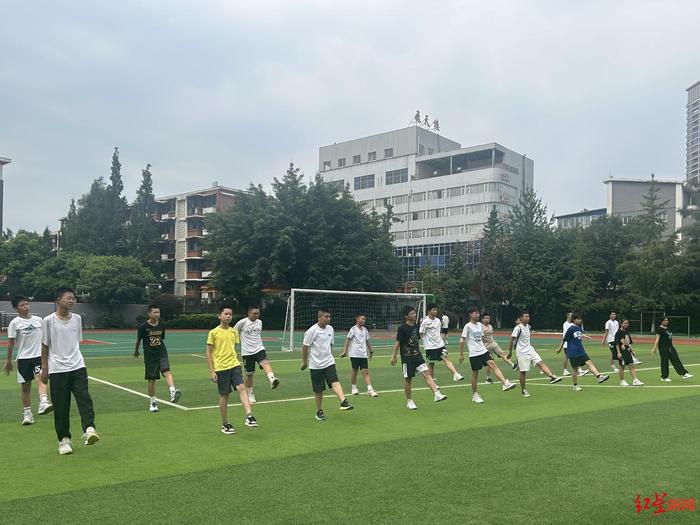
x,y
384,312
5,318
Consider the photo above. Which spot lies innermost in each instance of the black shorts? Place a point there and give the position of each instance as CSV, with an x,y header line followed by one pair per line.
x,y
613,350
480,361
156,364
227,380
251,360
627,358
359,362
26,368
320,377
579,360
412,365
435,355
443,331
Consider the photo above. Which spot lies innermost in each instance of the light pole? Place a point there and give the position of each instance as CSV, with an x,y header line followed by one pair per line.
x,y
3,161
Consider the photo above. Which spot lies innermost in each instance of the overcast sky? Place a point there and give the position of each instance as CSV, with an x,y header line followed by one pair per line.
x,y
232,91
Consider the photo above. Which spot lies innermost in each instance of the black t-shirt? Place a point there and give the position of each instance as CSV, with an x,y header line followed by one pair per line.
x,y
153,336
408,338
665,338
623,339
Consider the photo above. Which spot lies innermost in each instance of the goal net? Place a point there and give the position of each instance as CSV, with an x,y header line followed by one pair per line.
x,y
383,311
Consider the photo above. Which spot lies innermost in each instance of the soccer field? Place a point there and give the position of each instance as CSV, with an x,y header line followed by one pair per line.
x,y
558,456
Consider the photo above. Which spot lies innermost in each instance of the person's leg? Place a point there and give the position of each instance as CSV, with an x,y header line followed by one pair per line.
x,y
497,372
450,366
574,374
621,371
248,380
79,387
368,380
663,353
26,394
542,366
475,380
243,395
564,363
338,390
407,387
42,388
169,379
431,367
592,368
353,377
267,369
152,388
522,378
430,381
60,394
318,396
223,408
676,362
633,371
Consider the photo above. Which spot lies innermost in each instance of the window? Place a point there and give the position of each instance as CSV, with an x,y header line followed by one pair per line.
x,y
364,182
421,149
399,235
388,153
664,216
326,165
436,232
431,151
341,163
454,230
417,215
356,159
367,205
435,194
476,188
396,176
372,155
455,210
383,202
436,213
417,234
457,191
399,199
418,197
401,216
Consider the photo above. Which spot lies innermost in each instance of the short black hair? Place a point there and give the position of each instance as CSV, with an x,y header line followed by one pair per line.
x,y
664,318
576,315
153,306
431,306
253,307
522,312
360,315
485,314
612,312
63,290
322,311
18,299
224,306
472,309
407,310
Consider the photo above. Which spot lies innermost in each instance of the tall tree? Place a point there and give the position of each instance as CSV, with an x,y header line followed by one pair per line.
x,y
19,256
648,227
492,268
143,231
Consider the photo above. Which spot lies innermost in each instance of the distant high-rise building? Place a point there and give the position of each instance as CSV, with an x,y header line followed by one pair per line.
x,y
692,135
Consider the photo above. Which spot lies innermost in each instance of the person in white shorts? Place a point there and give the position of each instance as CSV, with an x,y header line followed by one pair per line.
x,y
433,343
359,348
526,354
492,345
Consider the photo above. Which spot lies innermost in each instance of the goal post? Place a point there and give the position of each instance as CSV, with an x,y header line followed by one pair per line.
x,y
383,311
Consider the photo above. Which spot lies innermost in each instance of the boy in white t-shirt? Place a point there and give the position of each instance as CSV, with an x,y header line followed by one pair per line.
x,y
358,347
24,335
431,332
317,356
612,325
526,354
445,326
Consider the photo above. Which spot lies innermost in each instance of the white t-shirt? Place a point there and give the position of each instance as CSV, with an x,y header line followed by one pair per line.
x,y
63,339
565,327
320,341
250,334
27,336
522,345
430,331
612,327
445,322
358,341
473,334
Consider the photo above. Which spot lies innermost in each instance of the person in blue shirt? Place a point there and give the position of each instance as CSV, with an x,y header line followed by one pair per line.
x,y
577,353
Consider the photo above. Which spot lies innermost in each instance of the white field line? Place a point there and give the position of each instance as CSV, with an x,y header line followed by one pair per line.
x,y
140,394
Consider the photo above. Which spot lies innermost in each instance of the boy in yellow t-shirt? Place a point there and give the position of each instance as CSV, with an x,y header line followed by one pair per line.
x,y
225,370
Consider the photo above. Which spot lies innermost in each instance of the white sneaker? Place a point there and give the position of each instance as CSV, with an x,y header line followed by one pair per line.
x,y
686,376
615,369
411,405
577,388
457,377
526,393
90,437
439,396
566,372
477,398
624,383
44,408
637,382
153,407
636,361
251,398
372,393
582,372
666,379
175,395
64,447
508,386
354,391
28,418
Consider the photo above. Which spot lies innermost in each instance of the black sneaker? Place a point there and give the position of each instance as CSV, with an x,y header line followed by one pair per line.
x,y
250,421
515,365
554,379
227,428
345,405
275,383
320,415
603,378
488,379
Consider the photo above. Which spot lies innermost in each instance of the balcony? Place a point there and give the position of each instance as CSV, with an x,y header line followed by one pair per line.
x,y
170,236
206,274
193,294
209,209
194,254
168,276
195,232
195,276
167,256
195,212
164,216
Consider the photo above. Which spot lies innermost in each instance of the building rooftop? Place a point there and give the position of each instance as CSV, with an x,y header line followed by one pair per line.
x,y
691,87
596,211
658,181
206,191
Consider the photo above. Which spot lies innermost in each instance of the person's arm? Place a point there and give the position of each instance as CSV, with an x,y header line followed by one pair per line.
x,y
210,362
139,337
304,357
369,349
345,347
461,349
510,346
7,368
656,344
393,355
605,336
561,344
44,363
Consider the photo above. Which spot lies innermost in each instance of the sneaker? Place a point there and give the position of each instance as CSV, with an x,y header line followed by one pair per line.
x,y
45,408
372,393
153,407
615,369
566,372
516,365
666,379
227,428
577,388
345,405
686,376
508,386
526,393
90,437
477,398
175,395
457,377
251,398
602,378
28,418
624,383
354,391
274,383
554,379
320,416
636,361
250,421
582,372
64,447
637,382
411,405
489,380
439,396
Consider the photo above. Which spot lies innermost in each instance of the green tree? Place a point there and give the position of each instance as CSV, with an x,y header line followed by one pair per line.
x,y
582,278
19,256
143,231
492,271
459,286
648,227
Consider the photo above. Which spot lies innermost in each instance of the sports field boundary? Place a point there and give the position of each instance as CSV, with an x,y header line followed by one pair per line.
x,y
135,392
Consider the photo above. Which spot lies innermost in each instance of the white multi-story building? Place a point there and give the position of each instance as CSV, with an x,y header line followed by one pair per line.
x,y
692,135
441,192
